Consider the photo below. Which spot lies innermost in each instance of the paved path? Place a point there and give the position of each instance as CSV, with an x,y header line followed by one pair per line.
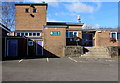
x,y
61,69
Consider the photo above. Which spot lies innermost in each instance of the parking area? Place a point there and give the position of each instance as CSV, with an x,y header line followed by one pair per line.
x,y
60,69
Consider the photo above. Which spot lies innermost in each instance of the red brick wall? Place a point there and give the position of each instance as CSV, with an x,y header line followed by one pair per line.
x,y
103,39
55,44
24,21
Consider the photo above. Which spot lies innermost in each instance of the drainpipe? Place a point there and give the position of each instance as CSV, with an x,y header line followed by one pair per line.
x,y
27,46
5,48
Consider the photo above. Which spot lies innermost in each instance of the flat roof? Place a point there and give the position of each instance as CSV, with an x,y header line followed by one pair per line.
x,y
31,4
64,23
55,26
108,29
18,4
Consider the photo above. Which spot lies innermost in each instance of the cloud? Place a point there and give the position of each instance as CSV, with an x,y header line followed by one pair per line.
x,y
79,7
76,5
52,20
53,3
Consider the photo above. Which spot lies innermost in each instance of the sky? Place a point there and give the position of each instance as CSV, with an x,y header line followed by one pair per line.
x,y
97,14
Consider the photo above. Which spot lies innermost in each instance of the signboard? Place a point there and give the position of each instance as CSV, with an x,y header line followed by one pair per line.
x,y
55,33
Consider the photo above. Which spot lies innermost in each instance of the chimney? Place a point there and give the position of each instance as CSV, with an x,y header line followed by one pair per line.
x,y
79,19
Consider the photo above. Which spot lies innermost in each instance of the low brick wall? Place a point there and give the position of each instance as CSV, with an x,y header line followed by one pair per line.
x,y
113,50
73,51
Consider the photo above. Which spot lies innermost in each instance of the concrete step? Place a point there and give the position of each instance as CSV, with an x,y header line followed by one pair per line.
x,y
96,52
96,49
95,56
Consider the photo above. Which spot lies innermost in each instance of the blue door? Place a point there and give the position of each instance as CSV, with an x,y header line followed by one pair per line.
x,y
39,47
87,39
12,47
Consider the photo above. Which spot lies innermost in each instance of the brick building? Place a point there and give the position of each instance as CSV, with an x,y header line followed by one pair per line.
x,y
48,39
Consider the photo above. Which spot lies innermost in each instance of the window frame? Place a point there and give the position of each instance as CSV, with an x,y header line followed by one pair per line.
x,y
117,36
29,33
33,34
25,34
116,33
19,34
35,10
69,34
37,34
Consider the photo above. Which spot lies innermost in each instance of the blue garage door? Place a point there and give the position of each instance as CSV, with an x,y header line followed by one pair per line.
x,y
12,47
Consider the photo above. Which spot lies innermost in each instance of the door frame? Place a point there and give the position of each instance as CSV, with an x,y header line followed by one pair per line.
x,y
42,47
16,48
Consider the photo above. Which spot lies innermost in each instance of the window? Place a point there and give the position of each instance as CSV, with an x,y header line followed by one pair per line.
x,y
34,34
30,43
26,34
115,35
30,34
118,36
70,34
34,10
38,34
75,34
27,10
22,34
18,34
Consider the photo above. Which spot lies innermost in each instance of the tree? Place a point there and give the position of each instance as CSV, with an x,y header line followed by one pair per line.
x,y
89,26
8,14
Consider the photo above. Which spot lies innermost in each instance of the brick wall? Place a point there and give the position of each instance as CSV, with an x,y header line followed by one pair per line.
x,y
73,51
24,21
113,51
103,39
53,45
